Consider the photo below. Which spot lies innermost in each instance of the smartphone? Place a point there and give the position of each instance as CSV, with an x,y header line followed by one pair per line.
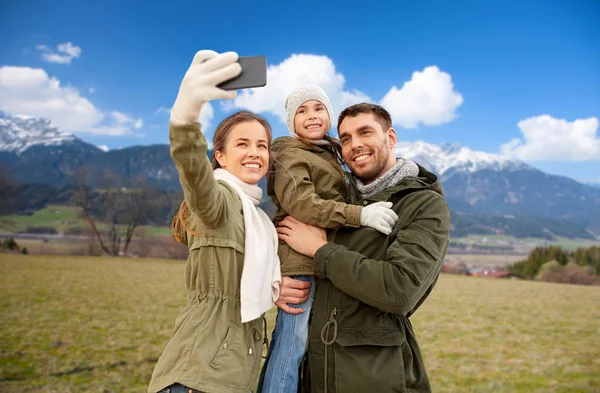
x,y
254,74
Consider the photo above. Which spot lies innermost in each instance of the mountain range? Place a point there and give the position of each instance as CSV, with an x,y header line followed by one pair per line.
x,y
475,183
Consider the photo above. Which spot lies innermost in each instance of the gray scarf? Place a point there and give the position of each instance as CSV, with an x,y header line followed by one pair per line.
x,y
403,168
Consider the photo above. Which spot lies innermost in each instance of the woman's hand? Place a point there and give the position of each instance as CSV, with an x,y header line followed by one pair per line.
x,y
303,238
199,85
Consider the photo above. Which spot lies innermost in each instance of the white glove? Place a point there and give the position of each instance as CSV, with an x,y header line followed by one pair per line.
x,y
199,85
379,216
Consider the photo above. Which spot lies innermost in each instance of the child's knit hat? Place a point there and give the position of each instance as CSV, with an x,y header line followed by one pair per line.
x,y
299,97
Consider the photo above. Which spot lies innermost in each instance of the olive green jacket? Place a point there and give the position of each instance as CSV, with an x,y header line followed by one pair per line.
x,y
369,285
307,183
210,349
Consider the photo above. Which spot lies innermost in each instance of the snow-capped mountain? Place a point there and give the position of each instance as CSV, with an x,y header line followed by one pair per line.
x,y
474,182
36,152
19,133
448,158
479,182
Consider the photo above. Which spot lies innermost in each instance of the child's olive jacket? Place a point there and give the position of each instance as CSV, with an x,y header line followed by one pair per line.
x,y
307,183
210,349
360,336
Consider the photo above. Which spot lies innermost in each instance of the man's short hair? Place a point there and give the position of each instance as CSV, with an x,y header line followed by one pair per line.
x,y
381,115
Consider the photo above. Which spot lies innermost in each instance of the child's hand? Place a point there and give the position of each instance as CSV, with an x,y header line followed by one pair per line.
x,y
199,85
379,216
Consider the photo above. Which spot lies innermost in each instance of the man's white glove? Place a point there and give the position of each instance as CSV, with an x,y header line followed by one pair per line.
x,y
199,85
379,216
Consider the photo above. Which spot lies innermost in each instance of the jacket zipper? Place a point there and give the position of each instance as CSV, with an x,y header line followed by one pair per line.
x,y
324,339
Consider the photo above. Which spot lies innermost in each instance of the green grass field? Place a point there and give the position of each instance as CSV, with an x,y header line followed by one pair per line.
x,y
62,218
84,324
59,217
528,243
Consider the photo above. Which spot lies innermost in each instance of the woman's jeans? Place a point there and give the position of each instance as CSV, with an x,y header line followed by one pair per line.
x,y
288,346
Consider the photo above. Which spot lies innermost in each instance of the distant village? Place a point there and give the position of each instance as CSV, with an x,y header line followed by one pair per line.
x,y
452,266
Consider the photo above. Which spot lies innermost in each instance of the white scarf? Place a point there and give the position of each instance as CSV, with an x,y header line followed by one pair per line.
x,y
261,275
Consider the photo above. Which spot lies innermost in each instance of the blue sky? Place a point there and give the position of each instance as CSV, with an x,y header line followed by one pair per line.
x,y
519,78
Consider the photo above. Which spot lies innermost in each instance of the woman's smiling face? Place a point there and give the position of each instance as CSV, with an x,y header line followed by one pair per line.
x,y
246,152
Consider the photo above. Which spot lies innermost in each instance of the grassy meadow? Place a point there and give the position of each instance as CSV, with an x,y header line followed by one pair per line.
x,y
63,218
92,324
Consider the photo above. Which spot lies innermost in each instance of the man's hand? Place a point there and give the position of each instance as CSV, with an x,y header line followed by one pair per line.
x,y
292,291
199,85
304,239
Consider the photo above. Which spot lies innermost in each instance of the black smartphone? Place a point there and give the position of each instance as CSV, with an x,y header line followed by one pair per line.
x,y
254,74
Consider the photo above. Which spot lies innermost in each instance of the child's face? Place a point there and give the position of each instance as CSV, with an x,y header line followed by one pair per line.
x,y
312,120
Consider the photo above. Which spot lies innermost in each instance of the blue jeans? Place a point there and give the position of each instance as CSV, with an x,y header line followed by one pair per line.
x,y
288,345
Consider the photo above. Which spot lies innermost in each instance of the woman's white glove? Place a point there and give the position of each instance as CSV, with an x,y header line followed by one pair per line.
x,y
379,216
199,85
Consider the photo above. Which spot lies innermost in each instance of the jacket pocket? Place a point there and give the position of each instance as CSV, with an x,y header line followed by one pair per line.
x,y
369,361
225,347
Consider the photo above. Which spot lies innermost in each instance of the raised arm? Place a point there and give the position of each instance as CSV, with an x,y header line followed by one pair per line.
x,y
188,145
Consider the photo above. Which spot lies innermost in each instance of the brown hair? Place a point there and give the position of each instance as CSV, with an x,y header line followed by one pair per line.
x,y
382,116
178,225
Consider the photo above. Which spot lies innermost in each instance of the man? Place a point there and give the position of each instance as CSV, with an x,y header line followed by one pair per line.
x,y
360,335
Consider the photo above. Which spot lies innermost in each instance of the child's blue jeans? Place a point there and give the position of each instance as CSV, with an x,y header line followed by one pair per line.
x,y
288,345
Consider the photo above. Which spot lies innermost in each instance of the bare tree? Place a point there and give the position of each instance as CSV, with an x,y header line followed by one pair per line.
x,y
114,210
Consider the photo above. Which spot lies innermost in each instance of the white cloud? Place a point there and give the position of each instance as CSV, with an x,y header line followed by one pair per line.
x,y
138,124
121,118
92,90
109,129
162,109
32,92
293,72
206,117
428,98
547,138
64,53
103,147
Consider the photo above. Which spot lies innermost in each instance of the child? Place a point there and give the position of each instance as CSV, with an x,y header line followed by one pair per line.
x,y
308,183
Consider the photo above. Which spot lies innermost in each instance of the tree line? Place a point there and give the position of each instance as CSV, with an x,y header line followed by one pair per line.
x,y
555,264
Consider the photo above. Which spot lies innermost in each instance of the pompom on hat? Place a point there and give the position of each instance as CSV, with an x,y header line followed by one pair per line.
x,y
299,97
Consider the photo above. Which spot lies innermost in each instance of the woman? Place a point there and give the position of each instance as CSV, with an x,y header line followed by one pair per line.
x,y
232,273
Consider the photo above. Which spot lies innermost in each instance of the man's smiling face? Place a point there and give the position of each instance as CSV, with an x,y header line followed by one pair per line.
x,y
367,148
